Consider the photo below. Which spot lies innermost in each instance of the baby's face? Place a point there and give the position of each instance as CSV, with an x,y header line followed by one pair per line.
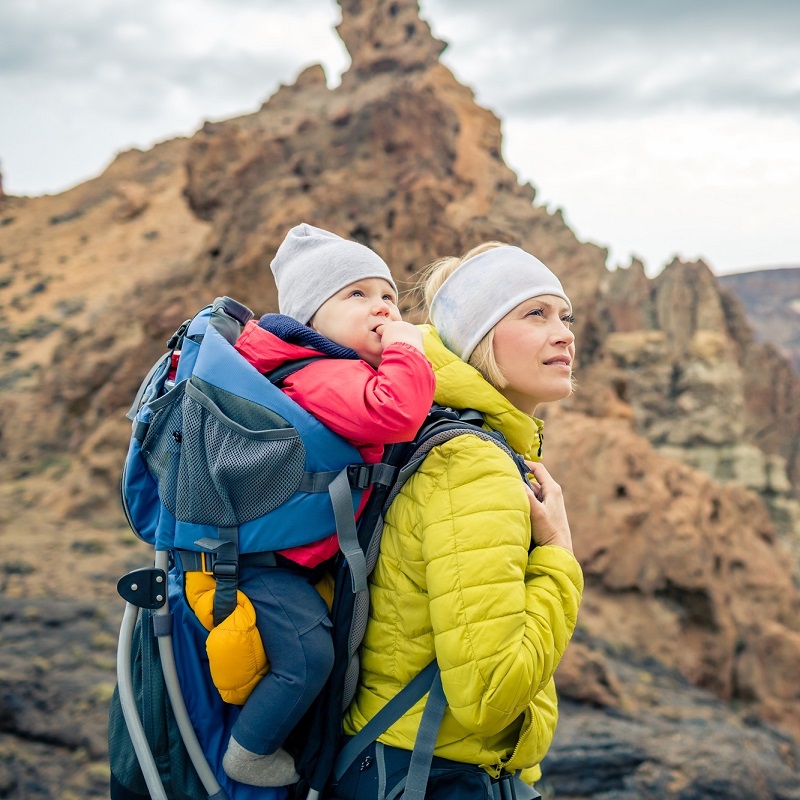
x,y
351,316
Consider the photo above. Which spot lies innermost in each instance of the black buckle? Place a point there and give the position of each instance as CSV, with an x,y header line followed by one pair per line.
x,y
225,569
211,564
359,475
178,335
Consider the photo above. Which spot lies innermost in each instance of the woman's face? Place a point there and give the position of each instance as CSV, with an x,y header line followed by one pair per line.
x,y
534,349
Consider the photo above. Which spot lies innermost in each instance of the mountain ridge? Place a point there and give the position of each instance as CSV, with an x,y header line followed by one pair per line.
x,y
678,455
771,300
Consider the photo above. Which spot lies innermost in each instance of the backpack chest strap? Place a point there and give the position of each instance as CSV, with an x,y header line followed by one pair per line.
x,y
192,561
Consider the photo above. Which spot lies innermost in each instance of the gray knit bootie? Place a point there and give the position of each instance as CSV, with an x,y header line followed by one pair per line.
x,y
273,769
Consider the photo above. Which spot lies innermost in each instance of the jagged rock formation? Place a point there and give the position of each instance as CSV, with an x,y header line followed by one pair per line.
x,y
771,300
681,353
680,569
691,576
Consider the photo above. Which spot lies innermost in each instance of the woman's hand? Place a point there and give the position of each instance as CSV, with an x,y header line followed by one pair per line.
x,y
549,523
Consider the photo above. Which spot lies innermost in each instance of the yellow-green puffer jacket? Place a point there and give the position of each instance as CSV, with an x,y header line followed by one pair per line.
x,y
455,579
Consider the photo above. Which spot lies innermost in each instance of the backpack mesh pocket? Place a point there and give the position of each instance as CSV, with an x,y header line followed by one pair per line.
x,y
218,458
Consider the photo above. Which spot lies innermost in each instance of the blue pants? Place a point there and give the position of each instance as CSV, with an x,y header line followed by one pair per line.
x,y
295,628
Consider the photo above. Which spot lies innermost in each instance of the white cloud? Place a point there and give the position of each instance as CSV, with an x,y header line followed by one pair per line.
x,y
685,184
657,127
583,59
80,82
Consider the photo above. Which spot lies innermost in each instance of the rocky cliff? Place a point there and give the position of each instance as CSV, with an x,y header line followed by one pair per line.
x,y
678,455
771,300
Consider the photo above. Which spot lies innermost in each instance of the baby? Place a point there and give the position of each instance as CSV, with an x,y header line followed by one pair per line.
x,y
337,298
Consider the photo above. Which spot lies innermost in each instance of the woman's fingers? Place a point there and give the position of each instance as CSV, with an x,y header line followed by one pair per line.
x,y
534,495
539,471
532,482
536,490
549,523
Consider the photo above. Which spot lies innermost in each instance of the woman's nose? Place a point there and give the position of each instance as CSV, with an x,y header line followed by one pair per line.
x,y
565,334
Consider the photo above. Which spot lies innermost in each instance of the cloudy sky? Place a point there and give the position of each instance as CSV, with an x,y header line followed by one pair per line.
x,y
660,128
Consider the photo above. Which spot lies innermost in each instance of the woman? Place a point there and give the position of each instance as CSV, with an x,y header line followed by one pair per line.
x,y
476,569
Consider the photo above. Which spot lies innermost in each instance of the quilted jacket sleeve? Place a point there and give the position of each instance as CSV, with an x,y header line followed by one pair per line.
x,y
365,405
501,616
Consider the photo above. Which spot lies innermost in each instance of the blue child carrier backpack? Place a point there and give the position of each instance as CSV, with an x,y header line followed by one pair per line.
x,y
222,470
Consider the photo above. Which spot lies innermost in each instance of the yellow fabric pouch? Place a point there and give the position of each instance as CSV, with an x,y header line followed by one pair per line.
x,y
235,650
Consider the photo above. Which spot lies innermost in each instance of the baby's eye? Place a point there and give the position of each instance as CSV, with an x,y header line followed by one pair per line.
x,y
356,293
390,299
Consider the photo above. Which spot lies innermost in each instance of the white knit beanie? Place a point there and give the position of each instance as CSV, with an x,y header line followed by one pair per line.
x,y
482,290
312,264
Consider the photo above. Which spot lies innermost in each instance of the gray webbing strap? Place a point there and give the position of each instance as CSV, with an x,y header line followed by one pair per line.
x,y
345,516
396,790
416,781
382,474
225,570
226,574
413,691
162,624
381,766
192,561
315,482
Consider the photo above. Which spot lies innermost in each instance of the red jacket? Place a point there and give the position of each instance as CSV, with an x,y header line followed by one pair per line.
x,y
368,407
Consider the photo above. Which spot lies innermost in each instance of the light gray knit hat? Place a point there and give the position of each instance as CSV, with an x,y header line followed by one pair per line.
x,y
312,264
486,287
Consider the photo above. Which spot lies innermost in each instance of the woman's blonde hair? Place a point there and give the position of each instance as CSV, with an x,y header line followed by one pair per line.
x,y
433,276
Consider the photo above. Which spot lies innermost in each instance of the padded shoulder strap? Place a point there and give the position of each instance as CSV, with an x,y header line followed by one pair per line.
x,y
229,317
441,425
439,430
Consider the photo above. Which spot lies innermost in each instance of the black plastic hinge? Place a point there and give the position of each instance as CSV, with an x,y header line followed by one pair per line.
x,y
144,588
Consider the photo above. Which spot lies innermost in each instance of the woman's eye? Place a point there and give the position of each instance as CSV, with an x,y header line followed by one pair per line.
x,y
568,319
535,312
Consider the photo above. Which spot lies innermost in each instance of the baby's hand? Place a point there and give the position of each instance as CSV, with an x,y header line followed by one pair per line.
x,y
400,331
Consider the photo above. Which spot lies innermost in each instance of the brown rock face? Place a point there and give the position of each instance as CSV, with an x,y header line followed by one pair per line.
x,y
681,353
386,37
679,568
682,420
771,300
